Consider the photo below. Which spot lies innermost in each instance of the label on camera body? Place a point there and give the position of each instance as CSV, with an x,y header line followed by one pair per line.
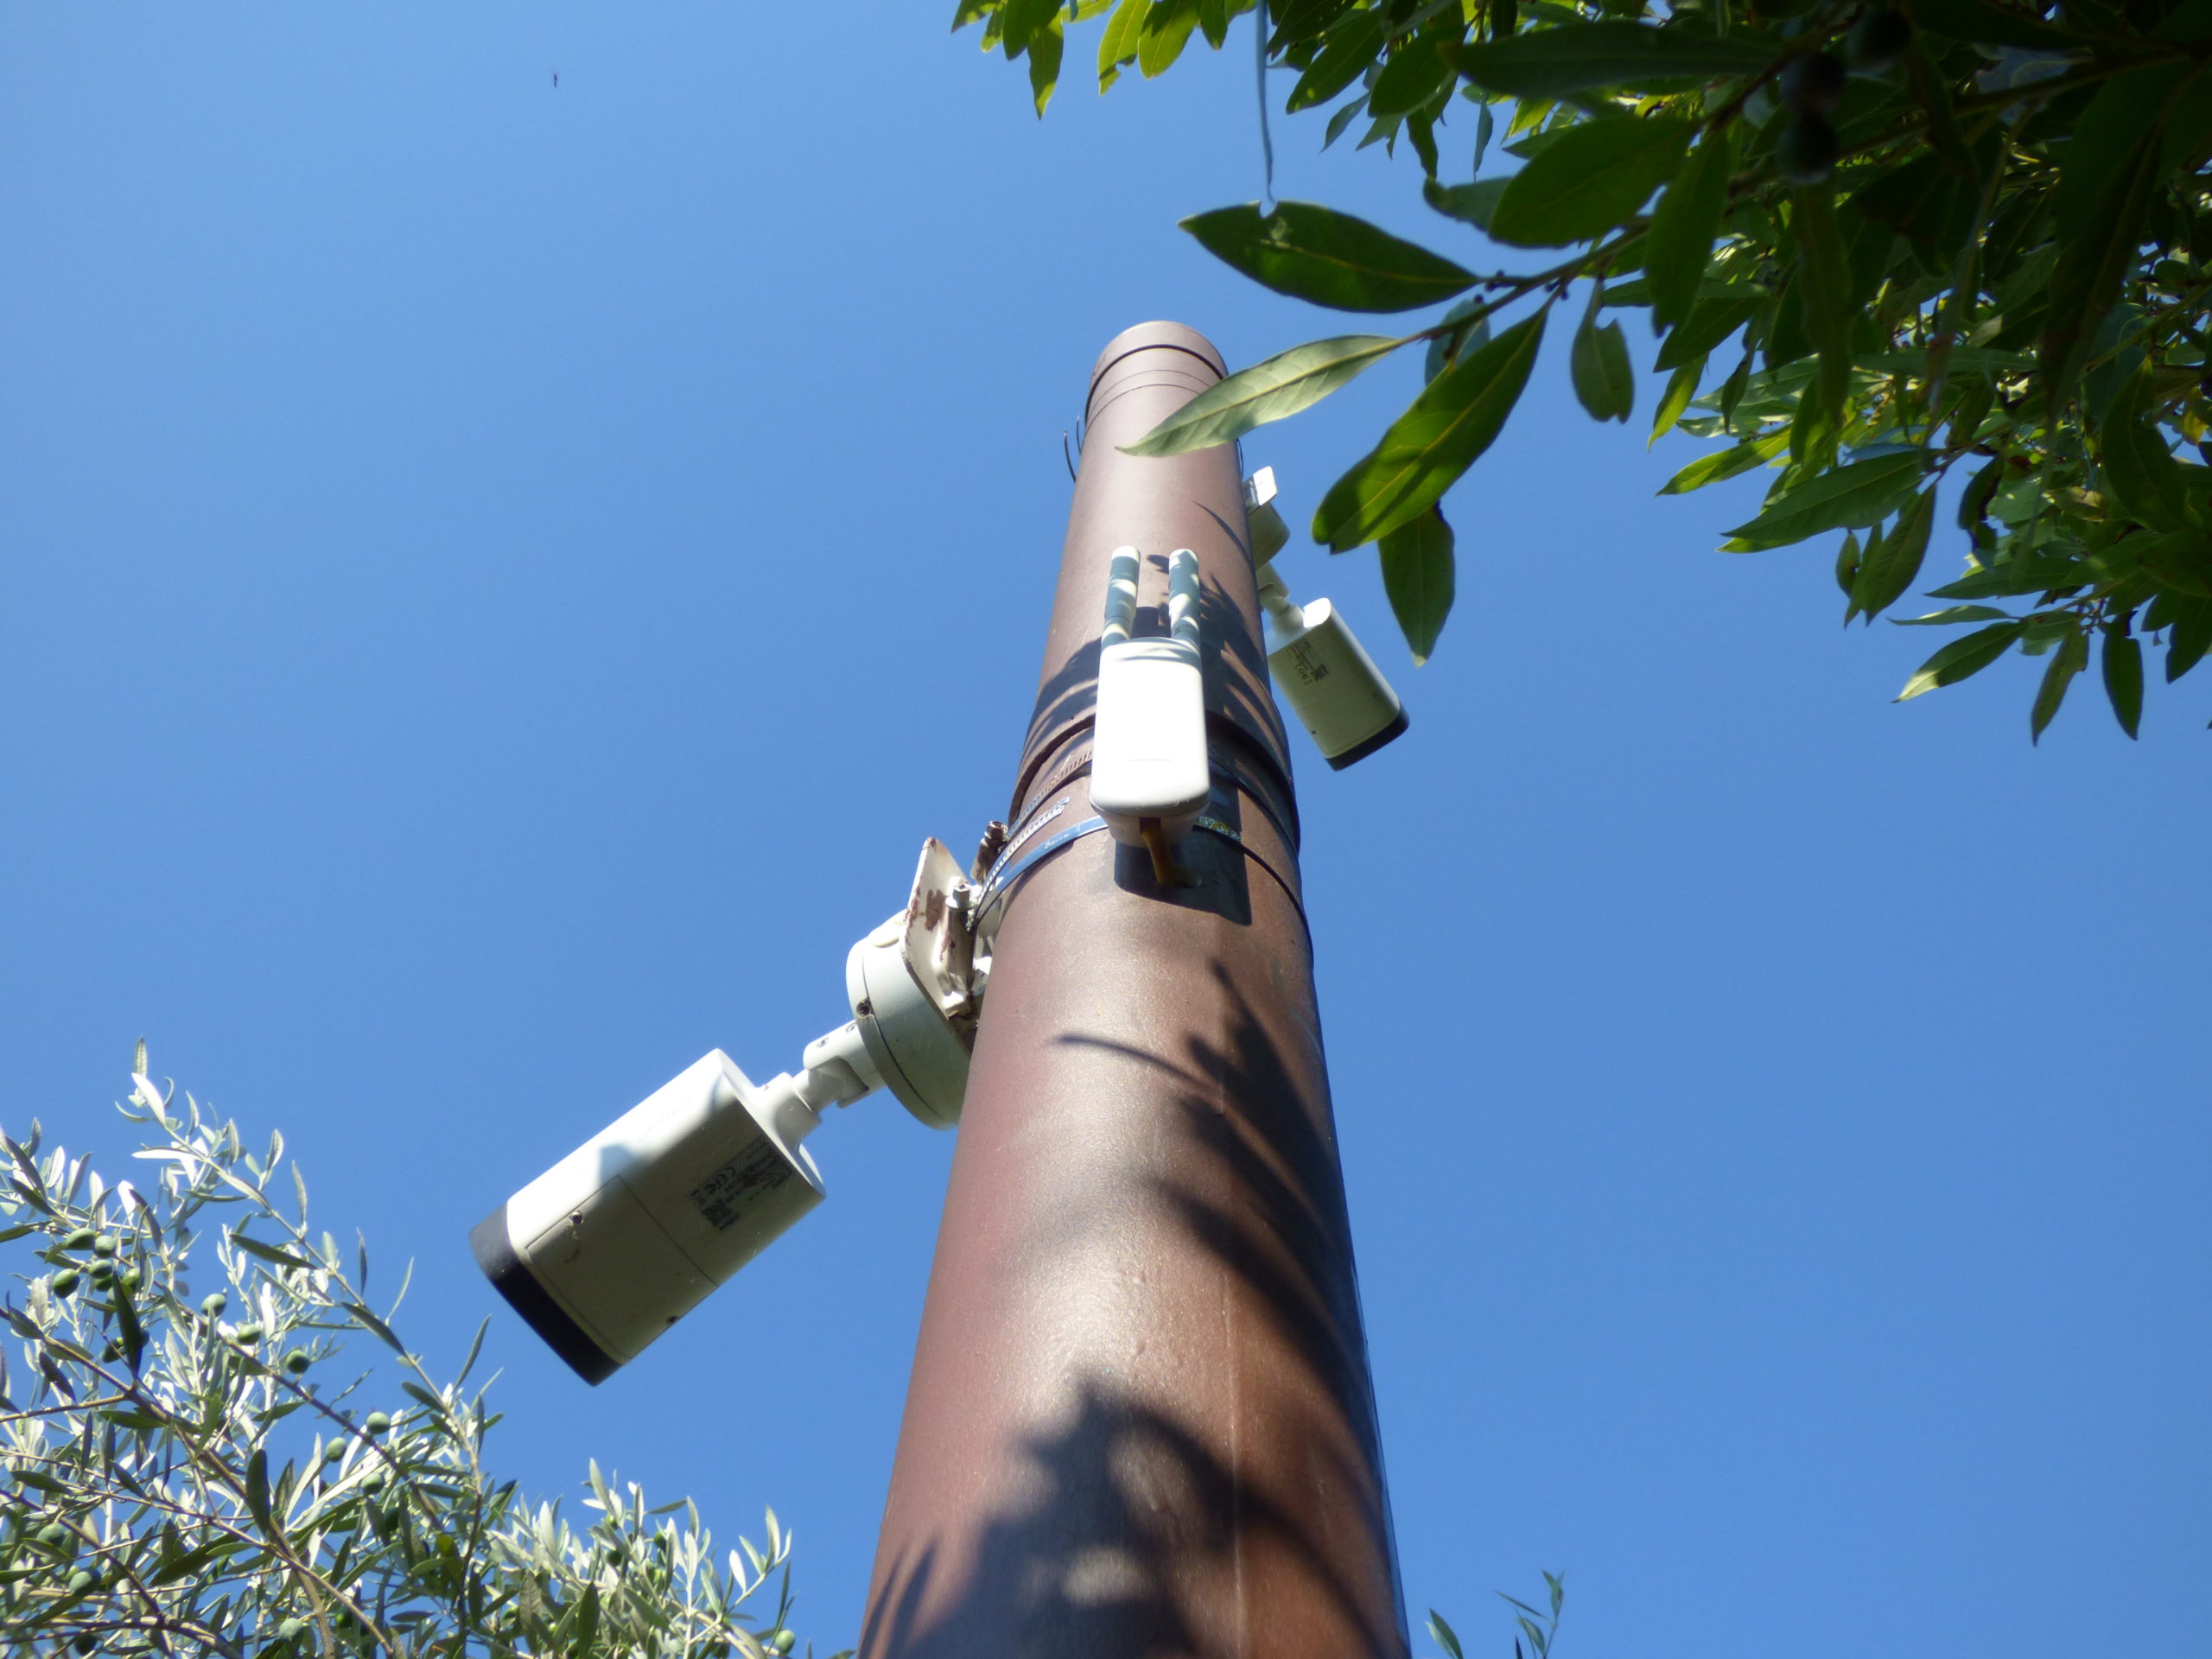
x,y
725,1196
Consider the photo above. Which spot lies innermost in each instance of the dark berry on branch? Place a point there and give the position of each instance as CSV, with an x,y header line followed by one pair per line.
x,y
1813,85
1806,152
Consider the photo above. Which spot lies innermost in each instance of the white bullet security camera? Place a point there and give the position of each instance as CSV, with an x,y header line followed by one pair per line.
x,y
634,1229
1330,682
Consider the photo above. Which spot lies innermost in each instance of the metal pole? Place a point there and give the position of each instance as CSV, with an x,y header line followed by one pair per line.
x,y
1140,1421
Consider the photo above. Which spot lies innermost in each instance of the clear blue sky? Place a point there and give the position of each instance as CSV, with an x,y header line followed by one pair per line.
x,y
500,580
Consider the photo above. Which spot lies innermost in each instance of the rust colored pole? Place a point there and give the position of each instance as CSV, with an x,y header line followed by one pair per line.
x,y
1140,1421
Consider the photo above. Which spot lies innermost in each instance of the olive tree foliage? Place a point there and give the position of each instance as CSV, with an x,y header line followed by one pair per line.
x,y
197,1473
1882,249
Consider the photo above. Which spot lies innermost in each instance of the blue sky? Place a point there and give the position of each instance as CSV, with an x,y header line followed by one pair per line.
x,y
500,580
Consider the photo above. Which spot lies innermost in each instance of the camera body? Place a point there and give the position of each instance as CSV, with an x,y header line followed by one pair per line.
x,y
636,1227
1317,663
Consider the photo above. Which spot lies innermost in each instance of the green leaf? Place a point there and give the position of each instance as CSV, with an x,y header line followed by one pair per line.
x,y
1168,29
1020,20
2023,573
1299,21
1446,1638
1577,57
1428,447
1284,384
2138,467
1311,252
1974,499
1823,288
1893,563
1343,118
1933,94
2090,271
1590,179
2180,561
1864,493
1683,226
1952,615
1045,50
1963,656
2101,143
270,1252
128,1328
1680,388
2071,658
257,1488
1473,203
1603,381
2190,638
1414,75
1118,45
377,1328
1417,573
1859,558
1709,323
1348,47
2123,671
1726,463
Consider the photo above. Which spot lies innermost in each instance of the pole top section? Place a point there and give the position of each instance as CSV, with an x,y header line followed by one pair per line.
x,y
1152,338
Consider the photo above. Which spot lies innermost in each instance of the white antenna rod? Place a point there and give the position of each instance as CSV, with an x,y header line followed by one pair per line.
x,y
1183,595
1120,597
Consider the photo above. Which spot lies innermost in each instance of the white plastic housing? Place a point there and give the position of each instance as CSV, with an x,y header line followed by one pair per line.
x,y
1262,518
1331,684
1149,754
912,986
630,1231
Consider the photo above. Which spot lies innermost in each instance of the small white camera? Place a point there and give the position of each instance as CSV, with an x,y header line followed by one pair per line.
x,y
1330,682
634,1229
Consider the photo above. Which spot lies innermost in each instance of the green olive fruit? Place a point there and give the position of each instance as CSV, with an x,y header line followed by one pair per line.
x,y
79,1240
297,1361
376,1422
334,1450
103,1245
53,1534
65,1282
1813,85
374,1481
783,1641
82,1579
1806,151
246,1333
1878,39
129,1278
213,1303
